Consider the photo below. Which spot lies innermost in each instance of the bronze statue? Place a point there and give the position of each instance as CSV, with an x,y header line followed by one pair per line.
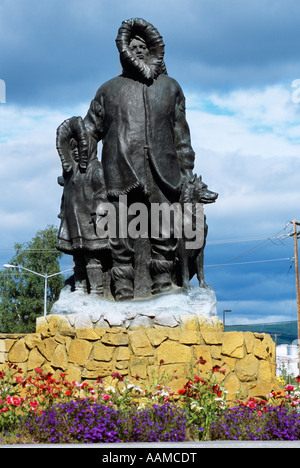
x,y
146,156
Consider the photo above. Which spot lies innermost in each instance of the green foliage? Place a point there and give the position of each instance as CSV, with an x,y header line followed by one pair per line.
x,y
203,399
22,292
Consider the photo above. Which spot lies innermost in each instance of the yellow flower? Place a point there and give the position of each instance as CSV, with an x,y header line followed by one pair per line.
x,y
280,379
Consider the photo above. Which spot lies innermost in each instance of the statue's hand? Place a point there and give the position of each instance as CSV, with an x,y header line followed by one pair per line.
x,y
96,216
101,211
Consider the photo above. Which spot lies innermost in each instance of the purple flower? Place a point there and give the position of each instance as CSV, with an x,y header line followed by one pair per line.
x,y
90,422
244,423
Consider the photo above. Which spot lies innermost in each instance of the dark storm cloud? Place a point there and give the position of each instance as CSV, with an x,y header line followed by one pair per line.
x,y
238,44
56,52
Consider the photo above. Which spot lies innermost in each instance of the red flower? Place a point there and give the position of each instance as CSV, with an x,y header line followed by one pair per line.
x,y
116,375
251,403
201,361
161,362
298,378
217,391
216,368
198,379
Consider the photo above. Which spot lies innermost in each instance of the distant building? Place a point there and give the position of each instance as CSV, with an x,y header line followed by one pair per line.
x,y
287,359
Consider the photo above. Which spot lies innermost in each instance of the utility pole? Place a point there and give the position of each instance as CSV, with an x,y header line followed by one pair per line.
x,y
295,234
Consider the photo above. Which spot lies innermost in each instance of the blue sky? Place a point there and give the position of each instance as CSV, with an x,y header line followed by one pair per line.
x,y
235,60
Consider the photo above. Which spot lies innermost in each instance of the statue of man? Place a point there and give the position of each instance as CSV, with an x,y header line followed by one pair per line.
x,y
140,118
147,155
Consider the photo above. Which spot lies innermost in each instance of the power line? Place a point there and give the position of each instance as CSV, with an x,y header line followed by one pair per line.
x,y
213,242
28,250
247,239
245,263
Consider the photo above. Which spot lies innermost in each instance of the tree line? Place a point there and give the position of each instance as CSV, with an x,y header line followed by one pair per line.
x,y
21,292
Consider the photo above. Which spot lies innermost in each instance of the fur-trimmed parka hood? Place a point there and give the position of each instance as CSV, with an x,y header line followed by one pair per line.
x,y
131,64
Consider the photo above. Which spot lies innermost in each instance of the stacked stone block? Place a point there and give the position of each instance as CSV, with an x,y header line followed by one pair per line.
x,y
85,354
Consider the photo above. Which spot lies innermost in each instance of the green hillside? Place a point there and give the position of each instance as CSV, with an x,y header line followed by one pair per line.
x,y
286,331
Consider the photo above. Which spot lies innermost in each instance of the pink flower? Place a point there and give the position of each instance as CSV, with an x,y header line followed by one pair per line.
x,y
289,388
16,401
106,397
33,404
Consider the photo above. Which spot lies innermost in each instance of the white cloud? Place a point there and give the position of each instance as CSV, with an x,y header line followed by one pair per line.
x,y
262,122
247,151
29,168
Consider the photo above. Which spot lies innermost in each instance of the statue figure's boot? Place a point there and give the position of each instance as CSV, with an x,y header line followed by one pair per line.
x,y
80,277
122,276
95,278
161,276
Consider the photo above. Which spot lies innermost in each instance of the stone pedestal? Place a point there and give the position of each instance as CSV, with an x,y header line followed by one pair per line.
x,y
170,310
85,354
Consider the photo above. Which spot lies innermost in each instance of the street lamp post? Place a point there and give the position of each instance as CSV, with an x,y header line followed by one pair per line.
x,y
6,265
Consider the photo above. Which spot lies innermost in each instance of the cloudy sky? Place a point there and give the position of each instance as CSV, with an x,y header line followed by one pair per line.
x,y
238,63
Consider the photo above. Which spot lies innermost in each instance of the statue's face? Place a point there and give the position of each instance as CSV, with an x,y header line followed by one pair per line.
x,y
140,49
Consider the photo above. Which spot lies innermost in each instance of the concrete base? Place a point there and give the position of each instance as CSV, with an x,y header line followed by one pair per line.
x,y
169,310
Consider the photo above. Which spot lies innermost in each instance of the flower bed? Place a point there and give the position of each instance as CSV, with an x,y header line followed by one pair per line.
x,y
90,422
42,409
